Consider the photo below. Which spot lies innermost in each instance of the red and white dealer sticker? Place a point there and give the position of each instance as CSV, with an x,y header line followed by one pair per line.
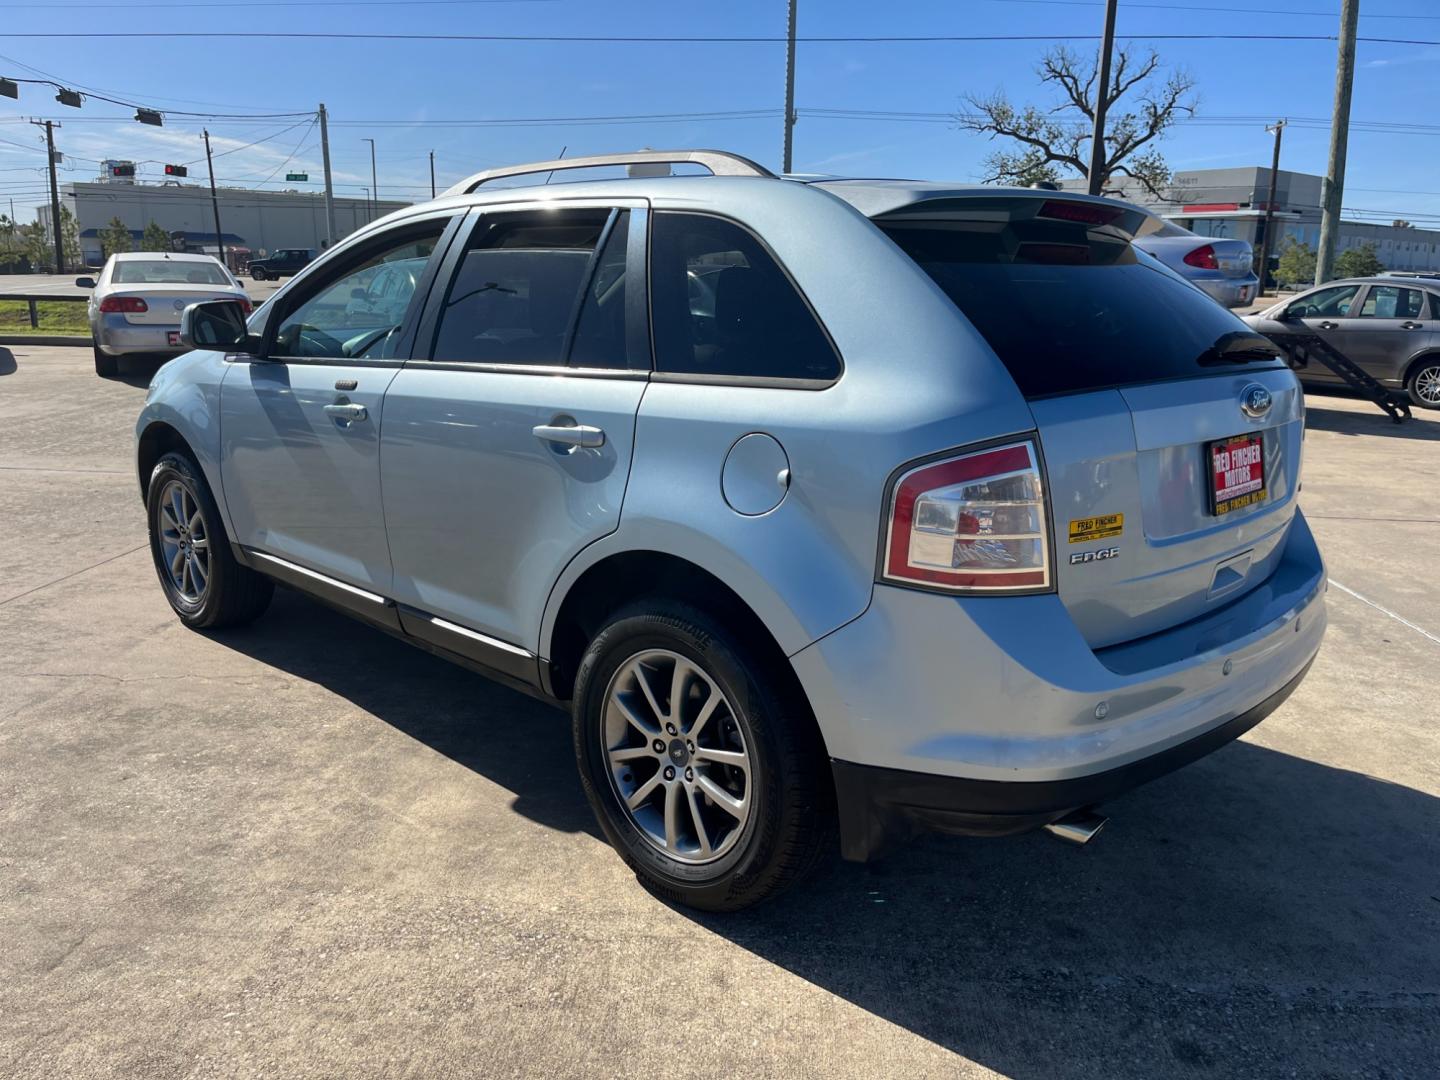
x,y
1237,472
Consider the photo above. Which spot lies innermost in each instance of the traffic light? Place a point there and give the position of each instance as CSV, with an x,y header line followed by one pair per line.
x,y
122,170
9,88
68,97
149,116
176,170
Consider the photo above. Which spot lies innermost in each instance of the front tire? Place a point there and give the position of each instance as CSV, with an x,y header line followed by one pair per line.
x,y
705,773
107,367
204,584
1423,385
256,274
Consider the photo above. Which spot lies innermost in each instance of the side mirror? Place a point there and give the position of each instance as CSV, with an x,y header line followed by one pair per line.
x,y
1288,313
358,294
217,325
84,282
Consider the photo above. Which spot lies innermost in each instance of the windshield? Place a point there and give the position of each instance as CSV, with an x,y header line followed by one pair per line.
x,y
168,272
1067,312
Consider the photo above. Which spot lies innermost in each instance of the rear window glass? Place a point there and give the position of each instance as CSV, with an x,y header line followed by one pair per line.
x,y
1066,312
168,271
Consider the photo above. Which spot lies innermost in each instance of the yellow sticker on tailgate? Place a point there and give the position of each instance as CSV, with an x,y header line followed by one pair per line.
x,y
1096,528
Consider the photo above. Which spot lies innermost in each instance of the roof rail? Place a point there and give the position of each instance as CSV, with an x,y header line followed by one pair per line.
x,y
719,162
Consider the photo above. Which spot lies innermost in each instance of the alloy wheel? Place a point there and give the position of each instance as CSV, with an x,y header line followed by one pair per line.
x,y
1427,385
679,756
184,542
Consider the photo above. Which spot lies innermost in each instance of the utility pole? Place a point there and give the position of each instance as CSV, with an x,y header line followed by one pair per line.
x,y
55,230
1332,187
432,174
214,200
374,187
1266,242
787,161
1102,101
329,183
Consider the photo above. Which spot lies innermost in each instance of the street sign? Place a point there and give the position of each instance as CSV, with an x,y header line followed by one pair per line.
x,y
300,176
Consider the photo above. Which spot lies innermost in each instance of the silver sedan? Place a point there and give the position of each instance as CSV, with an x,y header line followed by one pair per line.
x,y
1221,267
138,298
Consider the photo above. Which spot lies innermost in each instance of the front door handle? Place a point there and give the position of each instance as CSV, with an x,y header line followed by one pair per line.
x,y
348,412
1412,326
580,435
1329,326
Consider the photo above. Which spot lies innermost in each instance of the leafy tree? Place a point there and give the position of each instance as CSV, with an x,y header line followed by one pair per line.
x,y
1360,261
69,237
155,238
115,238
1052,140
1297,262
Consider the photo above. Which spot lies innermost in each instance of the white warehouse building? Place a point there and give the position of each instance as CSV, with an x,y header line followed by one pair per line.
x,y
253,221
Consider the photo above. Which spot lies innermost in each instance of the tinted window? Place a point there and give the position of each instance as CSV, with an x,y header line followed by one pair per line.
x,y
1066,313
722,306
360,308
516,291
1391,302
600,335
168,271
1333,303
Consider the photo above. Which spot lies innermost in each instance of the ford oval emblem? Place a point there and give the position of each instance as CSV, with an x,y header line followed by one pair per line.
x,y
1255,401
179,305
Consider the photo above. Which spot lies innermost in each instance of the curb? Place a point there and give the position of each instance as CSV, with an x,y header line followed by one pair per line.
x,y
44,339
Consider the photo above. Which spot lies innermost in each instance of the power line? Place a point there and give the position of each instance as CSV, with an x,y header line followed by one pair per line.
x,y
1197,7
624,39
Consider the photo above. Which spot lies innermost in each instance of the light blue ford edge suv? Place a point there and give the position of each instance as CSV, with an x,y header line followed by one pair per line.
x,y
829,506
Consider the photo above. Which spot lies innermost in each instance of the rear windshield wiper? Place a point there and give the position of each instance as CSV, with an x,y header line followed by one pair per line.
x,y
1239,347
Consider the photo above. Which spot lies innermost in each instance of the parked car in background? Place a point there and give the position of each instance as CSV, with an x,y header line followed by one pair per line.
x,y
282,263
826,506
1221,267
135,303
1389,326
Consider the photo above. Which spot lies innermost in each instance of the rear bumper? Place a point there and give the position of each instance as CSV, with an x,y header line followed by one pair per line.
x,y
879,807
116,337
1228,291
996,693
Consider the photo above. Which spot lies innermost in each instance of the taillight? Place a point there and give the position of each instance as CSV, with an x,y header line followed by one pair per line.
x,y
128,304
1203,257
971,523
1086,213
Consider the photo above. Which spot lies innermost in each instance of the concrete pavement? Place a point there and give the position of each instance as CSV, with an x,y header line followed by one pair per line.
x,y
304,849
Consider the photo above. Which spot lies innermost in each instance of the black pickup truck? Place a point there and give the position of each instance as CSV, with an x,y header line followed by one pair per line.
x,y
282,263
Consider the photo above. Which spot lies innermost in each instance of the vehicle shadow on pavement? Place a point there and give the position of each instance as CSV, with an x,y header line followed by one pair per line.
x,y
1347,422
1250,915
494,731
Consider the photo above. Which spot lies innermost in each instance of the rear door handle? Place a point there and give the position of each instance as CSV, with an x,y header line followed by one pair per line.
x,y
348,412
579,435
1412,326
1329,326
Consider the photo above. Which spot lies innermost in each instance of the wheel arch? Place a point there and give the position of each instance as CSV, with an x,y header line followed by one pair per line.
x,y
1430,354
157,439
621,577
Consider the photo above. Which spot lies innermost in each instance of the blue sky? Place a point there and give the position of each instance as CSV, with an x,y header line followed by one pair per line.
x,y
408,85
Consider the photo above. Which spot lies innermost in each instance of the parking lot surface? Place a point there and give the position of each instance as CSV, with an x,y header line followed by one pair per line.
x,y
305,849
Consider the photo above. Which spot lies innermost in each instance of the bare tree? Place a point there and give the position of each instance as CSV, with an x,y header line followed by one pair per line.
x,y
1051,142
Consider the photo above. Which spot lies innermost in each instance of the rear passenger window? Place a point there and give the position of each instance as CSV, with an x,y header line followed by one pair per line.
x,y
515,294
1390,302
722,306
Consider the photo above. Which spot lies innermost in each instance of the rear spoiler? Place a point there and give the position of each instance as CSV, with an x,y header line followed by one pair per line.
x,y
1121,220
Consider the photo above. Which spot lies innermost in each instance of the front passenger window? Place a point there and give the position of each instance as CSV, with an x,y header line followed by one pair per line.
x,y
361,310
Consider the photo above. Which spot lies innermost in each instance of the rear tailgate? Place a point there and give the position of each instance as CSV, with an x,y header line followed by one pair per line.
x,y
1233,257
1139,545
1136,381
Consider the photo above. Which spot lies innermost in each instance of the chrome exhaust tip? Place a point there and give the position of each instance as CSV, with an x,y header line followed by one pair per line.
x,y
1079,828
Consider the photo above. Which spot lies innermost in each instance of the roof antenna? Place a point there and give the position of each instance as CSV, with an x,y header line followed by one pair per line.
x,y
560,158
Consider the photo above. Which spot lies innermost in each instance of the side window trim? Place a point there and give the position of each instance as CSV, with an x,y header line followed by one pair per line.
x,y
419,302
639,343
764,381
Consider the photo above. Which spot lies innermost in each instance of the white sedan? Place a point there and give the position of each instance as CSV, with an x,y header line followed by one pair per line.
x,y
139,296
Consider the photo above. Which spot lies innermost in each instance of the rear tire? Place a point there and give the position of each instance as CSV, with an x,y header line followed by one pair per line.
x,y
204,584
1423,386
731,805
107,367
256,274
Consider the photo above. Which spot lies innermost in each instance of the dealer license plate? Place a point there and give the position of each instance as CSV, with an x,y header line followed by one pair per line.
x,y
1237,472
